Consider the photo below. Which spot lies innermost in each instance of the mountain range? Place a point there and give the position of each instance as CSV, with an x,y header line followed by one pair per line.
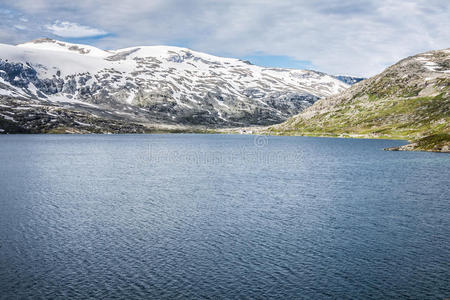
x,y
52,86
49,86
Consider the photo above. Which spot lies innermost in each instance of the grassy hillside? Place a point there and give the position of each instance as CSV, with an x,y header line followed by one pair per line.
x,y
409,100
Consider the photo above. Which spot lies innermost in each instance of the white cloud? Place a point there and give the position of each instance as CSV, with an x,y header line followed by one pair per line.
x,y
355,37
73,30
20,27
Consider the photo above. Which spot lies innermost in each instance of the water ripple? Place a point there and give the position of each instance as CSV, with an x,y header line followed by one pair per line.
x,y
99,217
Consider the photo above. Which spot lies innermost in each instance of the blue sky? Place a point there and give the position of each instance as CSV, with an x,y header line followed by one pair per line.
x,y
278,61
350,37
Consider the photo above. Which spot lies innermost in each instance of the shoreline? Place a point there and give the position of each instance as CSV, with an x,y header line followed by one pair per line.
x,y
413,145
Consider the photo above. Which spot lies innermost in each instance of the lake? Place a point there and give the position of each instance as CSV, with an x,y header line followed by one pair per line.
x,y
221,216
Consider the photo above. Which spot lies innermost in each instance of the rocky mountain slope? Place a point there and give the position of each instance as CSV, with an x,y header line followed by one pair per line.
x,y
409,100
349,79
150,86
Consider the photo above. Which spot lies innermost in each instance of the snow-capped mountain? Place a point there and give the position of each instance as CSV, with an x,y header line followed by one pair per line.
x,y
158,84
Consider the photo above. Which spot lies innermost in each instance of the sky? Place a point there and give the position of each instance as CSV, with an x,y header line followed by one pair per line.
x,y
349,37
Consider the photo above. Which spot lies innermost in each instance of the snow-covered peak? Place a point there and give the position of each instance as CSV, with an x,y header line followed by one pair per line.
x,y
55,45
174,54
168,83
434,61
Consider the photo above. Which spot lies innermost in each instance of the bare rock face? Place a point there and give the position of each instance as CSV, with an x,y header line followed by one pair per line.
x,y
159,84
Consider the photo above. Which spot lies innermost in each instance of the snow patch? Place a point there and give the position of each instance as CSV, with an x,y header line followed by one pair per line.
x,y
82,124
8,118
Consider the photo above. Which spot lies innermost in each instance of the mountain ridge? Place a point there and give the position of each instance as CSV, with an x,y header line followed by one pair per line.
x,y
159,85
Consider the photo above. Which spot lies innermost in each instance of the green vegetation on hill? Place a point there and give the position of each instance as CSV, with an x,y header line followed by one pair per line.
x,y
437,142
383,118
433,143
410,100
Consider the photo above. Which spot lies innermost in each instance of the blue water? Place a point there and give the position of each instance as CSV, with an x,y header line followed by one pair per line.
x,y
221,216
